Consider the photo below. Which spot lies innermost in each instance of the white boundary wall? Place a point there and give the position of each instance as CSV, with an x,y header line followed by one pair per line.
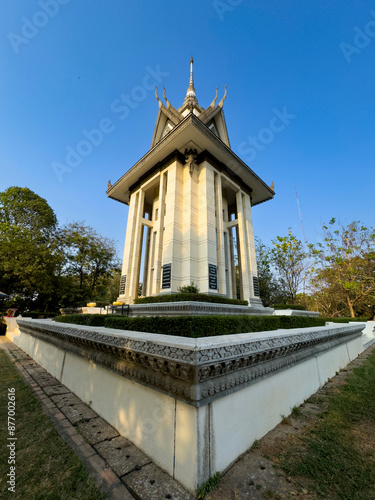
x,y
191,442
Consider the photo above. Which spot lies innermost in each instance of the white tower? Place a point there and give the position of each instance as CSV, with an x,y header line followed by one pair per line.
x,y
190,200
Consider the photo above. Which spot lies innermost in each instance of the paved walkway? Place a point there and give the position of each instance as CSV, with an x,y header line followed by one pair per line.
x,y
121,470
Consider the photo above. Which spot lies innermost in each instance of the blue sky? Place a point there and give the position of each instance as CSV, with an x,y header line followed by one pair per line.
x,y
66,63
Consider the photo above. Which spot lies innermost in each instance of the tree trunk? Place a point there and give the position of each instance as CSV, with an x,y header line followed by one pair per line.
x,y
351,308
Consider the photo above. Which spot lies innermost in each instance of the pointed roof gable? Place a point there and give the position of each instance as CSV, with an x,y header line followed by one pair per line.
x,y
169,117
190,132
191,126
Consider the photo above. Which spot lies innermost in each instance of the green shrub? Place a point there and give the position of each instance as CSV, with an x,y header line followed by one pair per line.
x,y
208,326
347,320
193,326
82,319
38,315
184,297
300,321
289,306
192,288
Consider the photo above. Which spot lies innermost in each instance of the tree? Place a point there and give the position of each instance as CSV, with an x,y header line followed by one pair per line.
x,y
29,256
345,267
271,290
90,260
290,261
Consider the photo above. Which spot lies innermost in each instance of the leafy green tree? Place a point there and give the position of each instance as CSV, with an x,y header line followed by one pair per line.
x,y
345,267
90,260
271,289
30,258
289,259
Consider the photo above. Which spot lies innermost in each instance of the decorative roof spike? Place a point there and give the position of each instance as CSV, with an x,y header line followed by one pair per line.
x,y
212,105
190,93
224,97
165,97
157,97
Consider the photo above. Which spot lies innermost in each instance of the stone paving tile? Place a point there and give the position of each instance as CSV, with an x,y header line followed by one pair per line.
x,y
45,379
119,492
97,430
67,399
35,370
55,389
122,455
78,413
151,483
18,354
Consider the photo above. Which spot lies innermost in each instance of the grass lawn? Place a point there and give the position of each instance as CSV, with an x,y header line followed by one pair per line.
x,y
336,457
46,467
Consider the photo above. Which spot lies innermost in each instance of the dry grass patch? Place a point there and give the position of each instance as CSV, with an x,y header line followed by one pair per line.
x,y
46,467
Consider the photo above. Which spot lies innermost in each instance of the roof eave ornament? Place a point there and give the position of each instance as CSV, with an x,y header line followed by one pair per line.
x,y
212,105
224,97
157,97
165,98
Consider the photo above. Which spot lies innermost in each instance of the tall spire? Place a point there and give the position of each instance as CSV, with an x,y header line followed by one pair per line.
x,y
190,93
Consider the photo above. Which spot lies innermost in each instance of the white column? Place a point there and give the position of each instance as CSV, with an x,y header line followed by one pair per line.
x,y
232,274
137,249
146,269
251,241
159,225
128,249
220,236
206,225
228,249
243,248
172,238
189,230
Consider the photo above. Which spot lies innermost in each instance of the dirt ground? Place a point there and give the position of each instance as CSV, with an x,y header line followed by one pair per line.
x,y
256,476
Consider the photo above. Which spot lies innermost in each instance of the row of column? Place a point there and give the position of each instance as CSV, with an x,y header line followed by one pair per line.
x,y
225,245
157,251
134,242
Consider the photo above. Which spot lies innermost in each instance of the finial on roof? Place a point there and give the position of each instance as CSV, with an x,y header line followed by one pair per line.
x,y
224,97
190,93
191,82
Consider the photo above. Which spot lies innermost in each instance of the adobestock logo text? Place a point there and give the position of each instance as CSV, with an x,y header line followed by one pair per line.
x,y
30,27
255,143
120,107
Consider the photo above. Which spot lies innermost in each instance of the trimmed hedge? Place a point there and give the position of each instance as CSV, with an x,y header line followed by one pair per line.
x,y
347,320
289,306
196,297
38,315
194,326
82,319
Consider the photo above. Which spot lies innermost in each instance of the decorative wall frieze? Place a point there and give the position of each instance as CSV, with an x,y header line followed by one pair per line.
x,y
192,307
195,371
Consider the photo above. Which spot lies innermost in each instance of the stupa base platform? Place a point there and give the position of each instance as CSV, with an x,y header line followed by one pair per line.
x,y
191,308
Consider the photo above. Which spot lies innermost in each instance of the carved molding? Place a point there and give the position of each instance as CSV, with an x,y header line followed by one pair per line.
x,y
192,370
191,307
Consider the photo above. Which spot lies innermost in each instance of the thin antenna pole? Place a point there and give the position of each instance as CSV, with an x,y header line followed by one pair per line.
x,y
304,236
300,217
